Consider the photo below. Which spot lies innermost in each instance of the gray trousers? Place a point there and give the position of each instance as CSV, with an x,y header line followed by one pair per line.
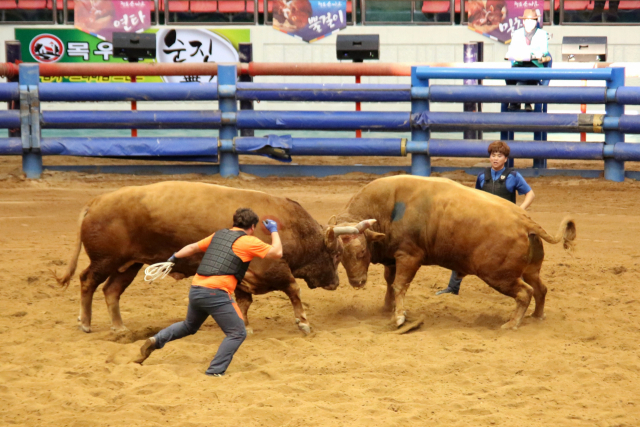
x,y
454,281
205,302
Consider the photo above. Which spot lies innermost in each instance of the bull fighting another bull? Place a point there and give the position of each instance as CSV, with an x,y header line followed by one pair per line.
x,y
436,221
125,229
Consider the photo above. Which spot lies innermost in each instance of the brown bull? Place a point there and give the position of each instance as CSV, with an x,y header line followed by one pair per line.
x,y
436,221
123,230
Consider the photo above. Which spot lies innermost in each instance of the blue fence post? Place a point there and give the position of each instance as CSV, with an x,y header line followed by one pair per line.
x,y
506,135
29,79
420,163
613,169
229,164
540,136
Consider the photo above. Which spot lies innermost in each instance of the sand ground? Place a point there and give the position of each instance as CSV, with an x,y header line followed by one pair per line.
x,y
579,367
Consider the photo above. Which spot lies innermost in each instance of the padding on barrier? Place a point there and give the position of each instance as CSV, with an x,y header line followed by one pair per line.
x,y
521,122
10,146
277,147
131,147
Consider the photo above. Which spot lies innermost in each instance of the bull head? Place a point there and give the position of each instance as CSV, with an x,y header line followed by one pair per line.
x,y
356,255
316,272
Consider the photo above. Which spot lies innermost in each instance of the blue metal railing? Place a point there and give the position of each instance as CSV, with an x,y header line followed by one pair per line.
x,y
420,121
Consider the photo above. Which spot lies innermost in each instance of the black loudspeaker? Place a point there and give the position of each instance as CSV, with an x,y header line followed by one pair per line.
x,y
134,46
358,47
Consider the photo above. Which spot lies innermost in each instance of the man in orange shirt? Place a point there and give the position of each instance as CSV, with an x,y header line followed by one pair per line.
x,y
228,253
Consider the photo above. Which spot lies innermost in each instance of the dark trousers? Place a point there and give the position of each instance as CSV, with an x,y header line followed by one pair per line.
x,y
513,106
205,302
454,282
598,9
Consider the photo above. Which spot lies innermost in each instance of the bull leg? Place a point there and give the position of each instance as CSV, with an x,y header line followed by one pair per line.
x,y
293,292
244,300
90,279
532,277
389,298
521,292
115,286
406,268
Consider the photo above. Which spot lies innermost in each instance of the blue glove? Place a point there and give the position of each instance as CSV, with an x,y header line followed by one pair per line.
x,y
270,225
173,259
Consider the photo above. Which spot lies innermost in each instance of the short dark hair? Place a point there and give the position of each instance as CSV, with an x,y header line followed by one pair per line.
x,y
244,218
499,147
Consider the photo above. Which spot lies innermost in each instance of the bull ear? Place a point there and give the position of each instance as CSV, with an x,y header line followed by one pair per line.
x,y
332,220
373,236
329,236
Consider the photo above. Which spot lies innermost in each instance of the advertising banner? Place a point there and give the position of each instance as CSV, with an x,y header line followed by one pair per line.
x,y
193,45
101,18
498,19
309,20
177,45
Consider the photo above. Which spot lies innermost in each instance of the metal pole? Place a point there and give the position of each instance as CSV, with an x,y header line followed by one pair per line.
x,y
613,169
265,7
452,12
30,120
583,110
134,104
506,135
229,164
540,136
354,8
358,107
255,11
246,56
470,55
480,82
420,163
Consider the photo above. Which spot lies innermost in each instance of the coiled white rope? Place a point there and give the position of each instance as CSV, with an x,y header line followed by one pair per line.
x,y
157,271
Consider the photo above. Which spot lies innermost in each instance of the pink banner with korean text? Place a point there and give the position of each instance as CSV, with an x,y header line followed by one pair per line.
x,y
102,18
498,19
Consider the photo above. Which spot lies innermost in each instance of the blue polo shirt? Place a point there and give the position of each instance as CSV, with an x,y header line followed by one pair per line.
x,y
514,183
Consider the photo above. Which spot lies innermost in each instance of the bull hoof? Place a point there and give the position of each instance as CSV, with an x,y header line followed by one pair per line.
x,y
538,317
120,329
249,330
304,328
510,325
86,329
400,320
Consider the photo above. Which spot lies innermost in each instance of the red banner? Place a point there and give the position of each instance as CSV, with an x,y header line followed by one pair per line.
x,y
102,18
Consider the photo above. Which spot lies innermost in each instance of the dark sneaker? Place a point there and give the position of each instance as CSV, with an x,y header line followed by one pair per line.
x,y
145,351
448,291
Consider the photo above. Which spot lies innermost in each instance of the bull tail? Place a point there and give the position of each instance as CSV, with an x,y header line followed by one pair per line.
x,y
73,264
566,234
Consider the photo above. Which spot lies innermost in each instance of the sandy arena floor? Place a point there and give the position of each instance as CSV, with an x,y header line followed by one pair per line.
x,y
580,367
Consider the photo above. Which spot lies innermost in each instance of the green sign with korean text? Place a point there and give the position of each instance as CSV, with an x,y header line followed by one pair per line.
x,y
49,45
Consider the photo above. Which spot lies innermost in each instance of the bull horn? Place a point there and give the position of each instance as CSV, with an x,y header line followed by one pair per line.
x,y
367,223
339,231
